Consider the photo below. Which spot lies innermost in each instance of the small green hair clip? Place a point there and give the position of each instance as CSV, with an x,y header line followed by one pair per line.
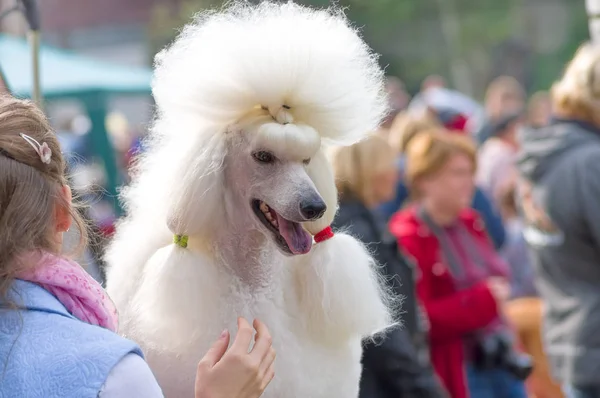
x,y
180,240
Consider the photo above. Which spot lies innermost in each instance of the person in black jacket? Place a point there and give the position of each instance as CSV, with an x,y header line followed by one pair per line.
x,y
399,365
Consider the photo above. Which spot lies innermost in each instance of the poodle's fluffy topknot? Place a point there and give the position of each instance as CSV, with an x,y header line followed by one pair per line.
x,y
228,62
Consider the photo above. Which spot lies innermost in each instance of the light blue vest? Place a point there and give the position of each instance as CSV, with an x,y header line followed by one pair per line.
x,y
47,353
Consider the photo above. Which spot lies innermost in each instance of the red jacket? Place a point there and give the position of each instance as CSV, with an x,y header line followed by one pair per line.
x,y
452,314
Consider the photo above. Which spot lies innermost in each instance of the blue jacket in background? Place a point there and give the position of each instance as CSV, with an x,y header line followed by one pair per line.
x,y
481,203
45,352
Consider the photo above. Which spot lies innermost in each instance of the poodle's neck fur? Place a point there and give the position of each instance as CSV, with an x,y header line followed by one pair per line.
x,y
242,248
247,253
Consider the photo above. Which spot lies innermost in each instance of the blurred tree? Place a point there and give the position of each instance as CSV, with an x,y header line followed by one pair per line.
x,y
377,18
549,66
168,18
416,38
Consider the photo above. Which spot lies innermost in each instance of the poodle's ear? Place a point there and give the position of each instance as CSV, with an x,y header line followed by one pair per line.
x,y
197,196
343,291
362,315
321,173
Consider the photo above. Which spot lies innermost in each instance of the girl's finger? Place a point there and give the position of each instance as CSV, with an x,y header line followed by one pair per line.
x,y
268,361
216,351
262,340
243,338
269,375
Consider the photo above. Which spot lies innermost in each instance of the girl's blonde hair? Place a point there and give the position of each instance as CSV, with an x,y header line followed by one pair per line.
x,y
431,150
29,188
577,93
356,166
406,126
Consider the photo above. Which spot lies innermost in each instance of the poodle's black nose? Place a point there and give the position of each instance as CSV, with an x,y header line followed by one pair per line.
x,y
312,209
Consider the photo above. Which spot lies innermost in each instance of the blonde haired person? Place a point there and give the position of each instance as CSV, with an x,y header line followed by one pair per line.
x,y
559,191
462,282
365,170
399,366
406,126
58,326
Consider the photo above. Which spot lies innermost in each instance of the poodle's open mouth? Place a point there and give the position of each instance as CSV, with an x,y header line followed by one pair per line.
x,y
289,235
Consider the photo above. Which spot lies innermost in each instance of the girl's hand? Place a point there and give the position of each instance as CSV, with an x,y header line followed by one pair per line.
x,y
237,373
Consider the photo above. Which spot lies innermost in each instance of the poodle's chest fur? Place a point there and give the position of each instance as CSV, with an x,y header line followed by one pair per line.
x,y
177,314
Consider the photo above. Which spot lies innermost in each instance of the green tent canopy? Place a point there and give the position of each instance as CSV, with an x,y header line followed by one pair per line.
x,y
64,74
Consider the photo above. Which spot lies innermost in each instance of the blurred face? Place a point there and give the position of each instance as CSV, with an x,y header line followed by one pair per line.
x,y
384,184
451,189
503,103
512,103
540,115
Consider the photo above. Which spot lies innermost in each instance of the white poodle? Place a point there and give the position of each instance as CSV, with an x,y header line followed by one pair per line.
x,y
235,185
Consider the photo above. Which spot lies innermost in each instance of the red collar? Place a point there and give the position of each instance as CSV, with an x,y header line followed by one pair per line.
x,y
325,234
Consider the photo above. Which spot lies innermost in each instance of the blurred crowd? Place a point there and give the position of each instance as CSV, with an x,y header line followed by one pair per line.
x,y
482,216
88,179
484,219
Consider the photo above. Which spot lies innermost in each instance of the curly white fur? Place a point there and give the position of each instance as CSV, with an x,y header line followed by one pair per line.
x,y
280,78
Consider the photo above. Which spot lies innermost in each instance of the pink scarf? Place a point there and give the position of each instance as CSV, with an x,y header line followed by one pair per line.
x,y
81,295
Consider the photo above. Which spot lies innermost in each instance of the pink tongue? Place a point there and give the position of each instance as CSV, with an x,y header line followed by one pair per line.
x,y
298,240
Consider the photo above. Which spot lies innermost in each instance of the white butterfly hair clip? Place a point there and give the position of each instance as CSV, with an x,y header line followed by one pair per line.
x,y
43,150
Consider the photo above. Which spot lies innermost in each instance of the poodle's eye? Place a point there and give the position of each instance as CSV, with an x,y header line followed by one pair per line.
x,y
264,157
306,161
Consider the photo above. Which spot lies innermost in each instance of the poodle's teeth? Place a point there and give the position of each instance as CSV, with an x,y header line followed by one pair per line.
x,y
268,215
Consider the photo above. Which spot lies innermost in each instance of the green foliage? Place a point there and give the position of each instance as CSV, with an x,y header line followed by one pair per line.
x,y
549,67
410,37
167,20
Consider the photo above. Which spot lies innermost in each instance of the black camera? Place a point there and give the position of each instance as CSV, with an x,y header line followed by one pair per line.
x,y
496,351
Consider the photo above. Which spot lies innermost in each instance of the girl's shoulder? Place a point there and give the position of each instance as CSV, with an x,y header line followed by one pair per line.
x,y
44,339
131,377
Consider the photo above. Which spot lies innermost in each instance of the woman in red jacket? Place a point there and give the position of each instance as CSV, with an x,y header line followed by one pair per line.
x,y
462,282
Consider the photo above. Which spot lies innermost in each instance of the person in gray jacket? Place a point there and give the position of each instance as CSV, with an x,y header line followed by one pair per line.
x,y
559,194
